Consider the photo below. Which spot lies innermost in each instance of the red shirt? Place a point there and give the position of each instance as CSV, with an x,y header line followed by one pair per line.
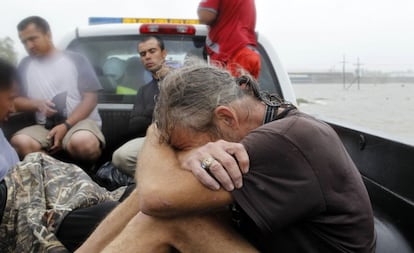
x,y
233,29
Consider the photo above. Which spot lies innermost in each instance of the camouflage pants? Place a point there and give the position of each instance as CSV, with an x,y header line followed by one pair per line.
x,y
40,192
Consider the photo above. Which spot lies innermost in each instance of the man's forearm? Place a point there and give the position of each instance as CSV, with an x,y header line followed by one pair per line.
x,y
84,108
24,104
112,225
165,189
206,16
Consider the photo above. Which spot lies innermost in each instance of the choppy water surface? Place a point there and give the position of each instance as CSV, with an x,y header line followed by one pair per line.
x,y
384,108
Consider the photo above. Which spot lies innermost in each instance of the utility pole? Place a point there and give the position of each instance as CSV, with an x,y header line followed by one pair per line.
x,y
343,72
358,71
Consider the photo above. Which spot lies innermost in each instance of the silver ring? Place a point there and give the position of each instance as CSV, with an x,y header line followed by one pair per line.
x,y
206,163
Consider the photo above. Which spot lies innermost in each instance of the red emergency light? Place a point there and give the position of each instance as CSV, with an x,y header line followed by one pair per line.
x,y
167,29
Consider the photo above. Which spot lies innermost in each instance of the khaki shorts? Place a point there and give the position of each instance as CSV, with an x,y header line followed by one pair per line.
x,y
125,157
39,133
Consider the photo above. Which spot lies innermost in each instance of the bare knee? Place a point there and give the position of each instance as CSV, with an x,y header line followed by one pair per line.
x,y
24,145
84,145
125,160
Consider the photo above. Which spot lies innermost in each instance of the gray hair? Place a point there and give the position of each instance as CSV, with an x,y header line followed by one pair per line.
x,y
189,96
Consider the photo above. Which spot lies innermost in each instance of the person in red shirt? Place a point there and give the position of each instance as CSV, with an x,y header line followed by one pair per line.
x,y
231,39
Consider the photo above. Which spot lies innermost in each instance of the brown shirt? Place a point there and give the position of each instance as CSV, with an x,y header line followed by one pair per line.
x,y
303,192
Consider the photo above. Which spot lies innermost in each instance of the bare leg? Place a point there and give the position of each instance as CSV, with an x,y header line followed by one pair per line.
x,y
25,144
204,233
112,225
142,234
84,145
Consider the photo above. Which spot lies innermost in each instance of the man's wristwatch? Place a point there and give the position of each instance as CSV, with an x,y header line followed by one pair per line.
x,y
67,125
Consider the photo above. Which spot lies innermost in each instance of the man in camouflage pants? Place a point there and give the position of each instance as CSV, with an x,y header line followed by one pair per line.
x,y
38,194
41,191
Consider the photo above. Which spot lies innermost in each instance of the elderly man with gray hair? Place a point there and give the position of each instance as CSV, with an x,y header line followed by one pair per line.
x,y
280,180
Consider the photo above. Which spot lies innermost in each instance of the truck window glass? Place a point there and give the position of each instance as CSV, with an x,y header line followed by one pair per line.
x,y
119,69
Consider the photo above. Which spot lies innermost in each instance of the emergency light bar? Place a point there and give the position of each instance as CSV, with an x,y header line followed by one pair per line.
x,y
167,29
152,25
115,20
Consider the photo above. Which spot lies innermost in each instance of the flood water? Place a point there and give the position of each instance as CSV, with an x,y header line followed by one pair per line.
x,y
385,108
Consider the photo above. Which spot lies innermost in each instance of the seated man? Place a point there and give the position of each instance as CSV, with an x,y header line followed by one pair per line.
x,y
40,195
300,191
153,53
61,88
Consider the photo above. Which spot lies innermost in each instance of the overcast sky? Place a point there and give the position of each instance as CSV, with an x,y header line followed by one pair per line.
x,y
307,34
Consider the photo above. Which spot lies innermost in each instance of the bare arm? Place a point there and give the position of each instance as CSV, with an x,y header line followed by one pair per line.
x,y
24,104
167,190
207,17
85,107
112,225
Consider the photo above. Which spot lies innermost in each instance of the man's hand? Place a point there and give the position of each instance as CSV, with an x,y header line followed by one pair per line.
x,y
46,107
56,135
230,161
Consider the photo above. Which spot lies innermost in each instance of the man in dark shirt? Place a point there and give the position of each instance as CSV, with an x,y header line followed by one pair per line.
x,y
153,53
300,191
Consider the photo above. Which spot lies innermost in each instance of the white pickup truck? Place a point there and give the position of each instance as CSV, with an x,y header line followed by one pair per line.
x,y
110,44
